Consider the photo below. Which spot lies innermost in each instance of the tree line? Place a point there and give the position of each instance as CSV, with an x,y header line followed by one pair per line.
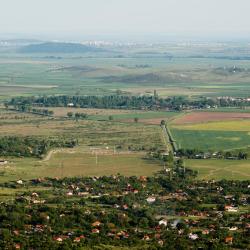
x,y
31,146
125,102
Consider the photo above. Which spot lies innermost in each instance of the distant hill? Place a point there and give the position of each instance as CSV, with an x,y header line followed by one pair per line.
x,y
53,47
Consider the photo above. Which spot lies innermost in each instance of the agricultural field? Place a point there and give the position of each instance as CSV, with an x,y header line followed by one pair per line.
x,y
136,71
139,70
122,115
220,169
105,147
212,130
205,117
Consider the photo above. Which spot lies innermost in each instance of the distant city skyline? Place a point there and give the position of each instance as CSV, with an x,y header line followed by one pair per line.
x,y
125,19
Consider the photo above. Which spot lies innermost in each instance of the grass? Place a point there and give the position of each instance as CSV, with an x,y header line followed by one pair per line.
x,y
211,140
130,140
117,114
239,125
220,169
88,132
37,74
79,162
219,135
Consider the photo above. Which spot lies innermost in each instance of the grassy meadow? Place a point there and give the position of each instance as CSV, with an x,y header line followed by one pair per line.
x,y
220,169
79,162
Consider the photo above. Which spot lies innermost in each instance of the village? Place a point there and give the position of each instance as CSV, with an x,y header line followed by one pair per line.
x,y
118,210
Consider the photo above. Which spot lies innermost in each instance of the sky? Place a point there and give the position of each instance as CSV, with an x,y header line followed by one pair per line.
x,y
79,18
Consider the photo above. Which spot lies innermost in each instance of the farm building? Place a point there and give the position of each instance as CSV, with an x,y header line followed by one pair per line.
x,y
3,162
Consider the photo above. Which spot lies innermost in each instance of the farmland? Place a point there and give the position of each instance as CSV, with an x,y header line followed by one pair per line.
x,y
220,169
204,117
212,130
96,149
104,147
135,71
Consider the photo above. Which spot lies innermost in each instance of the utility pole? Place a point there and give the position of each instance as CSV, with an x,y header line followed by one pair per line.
x,y
184,167
96,158
61,169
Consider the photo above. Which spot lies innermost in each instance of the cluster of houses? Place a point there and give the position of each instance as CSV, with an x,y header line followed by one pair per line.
x,y
92,190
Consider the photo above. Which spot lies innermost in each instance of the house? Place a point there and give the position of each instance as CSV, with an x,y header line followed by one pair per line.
x,y
151,200
96,224
146,238
58,239
16,232
95,231
3,162
143,178
163,222
38,201
17,246
83,193
233,228
78,239
229,240
161,243
193,236
205,232
231,209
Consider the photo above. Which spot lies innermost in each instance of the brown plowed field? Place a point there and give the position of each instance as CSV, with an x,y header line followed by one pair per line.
x,y
198,117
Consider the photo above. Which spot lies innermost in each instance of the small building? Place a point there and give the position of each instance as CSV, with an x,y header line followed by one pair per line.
x,y
231,209
151,200
163,222
96,224
3,162
229,240
193,236
95,231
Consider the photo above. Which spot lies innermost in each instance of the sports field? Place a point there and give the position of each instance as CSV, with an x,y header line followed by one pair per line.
x,y
80,161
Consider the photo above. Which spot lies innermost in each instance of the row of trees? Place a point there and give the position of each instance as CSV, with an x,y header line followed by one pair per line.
x,y
31,146
30,109
128,102
199,154
77,115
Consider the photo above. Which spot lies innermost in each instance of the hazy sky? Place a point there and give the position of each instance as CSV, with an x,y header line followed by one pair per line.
x,y
175,17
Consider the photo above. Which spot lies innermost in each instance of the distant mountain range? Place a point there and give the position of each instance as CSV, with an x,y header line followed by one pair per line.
x,y
57,47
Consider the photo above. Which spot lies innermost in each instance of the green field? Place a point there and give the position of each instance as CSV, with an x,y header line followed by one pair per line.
x,y
211,140
220,169
79,162
84,74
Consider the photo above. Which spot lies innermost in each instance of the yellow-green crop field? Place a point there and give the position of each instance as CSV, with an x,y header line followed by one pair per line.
x,y
236,125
